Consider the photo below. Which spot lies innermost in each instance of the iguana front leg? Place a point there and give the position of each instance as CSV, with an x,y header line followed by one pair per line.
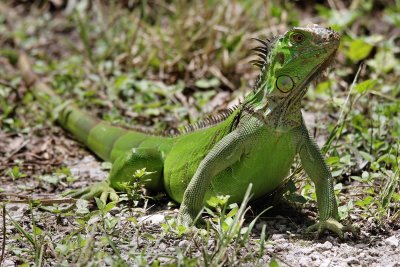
x,y
315,167
226,152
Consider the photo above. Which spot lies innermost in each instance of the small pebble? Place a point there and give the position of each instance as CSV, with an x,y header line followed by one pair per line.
x,y
325,246
352,260
306,251
152,219
326,263
315,257
304,262
8,263
183,244
162,247
278,236
392,241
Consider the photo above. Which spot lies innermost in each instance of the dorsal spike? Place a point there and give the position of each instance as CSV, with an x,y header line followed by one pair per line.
x,y
265,43
257,61
261,49
209,121
260,55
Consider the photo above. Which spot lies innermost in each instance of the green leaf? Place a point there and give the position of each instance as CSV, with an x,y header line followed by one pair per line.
x,y
365,86
232,212
149,237
109,207
365,202
37,230
338,187
332,160
207,83
358,50
273,263
345,209
217,201
213,202
22,231
82,205
133,220
367,156
100,204
51,179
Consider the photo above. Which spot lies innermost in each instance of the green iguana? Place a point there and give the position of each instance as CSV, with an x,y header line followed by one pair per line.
x,y
256,143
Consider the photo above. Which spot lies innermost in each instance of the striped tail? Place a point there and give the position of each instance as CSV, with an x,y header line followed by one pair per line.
x,y
99,136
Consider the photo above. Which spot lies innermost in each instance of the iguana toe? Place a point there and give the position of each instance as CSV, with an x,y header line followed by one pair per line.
x,y
332,225
101,189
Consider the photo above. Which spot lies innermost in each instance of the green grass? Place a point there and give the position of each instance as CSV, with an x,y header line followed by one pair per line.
x,y
161,64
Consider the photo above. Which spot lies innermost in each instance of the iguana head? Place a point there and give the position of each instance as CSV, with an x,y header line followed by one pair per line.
x,y
289,63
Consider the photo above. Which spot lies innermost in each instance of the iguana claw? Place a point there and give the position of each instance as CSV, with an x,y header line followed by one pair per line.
x,y
101,189
332,225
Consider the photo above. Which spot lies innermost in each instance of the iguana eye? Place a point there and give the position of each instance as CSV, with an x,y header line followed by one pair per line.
x,y
284,83
297,37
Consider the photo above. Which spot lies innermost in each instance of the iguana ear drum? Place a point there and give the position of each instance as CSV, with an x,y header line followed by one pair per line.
x,y
284,83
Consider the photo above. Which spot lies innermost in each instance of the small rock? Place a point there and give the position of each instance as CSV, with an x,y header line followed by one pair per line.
x,y
183,244
392,241
325,246
326,263
374,253
306,251
326,253
332,239
361,246
8,263
282,247
352,260
269,246
315,257
304,262
278,236
270,250
152,219
170,249
162,247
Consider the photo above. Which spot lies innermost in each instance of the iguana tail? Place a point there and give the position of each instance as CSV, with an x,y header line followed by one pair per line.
x,y
103,139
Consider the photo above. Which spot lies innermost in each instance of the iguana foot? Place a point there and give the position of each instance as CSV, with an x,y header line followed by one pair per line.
x,y
101,189
332,225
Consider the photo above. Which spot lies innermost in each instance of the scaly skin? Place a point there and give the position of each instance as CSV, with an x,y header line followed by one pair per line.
x,y
255,144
